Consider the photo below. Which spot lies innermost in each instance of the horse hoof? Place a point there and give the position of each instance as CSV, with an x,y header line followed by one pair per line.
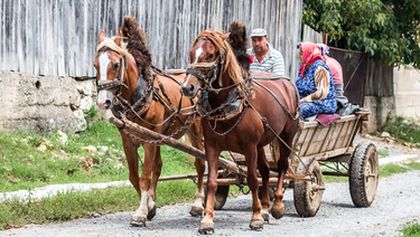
x,y
256,224
207,231
138,221
277,212
206,228
196,211
152,213
266,217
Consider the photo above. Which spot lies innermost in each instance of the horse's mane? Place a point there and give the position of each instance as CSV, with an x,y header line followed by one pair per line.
x,y
230,64
238,40
136,41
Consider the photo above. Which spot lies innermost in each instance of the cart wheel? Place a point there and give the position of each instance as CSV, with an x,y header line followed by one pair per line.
x,y
364,174
221,195
307,195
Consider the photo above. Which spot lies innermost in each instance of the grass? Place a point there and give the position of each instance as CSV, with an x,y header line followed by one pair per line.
x,y
390,169
411,230
384,171
404,130
29,160
383,152
73,205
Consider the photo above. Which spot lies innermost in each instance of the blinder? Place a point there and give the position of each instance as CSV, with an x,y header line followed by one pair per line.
x,y
195,69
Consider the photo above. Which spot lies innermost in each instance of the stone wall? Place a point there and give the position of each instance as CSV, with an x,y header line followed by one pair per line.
x,y
380,108
407,92
44,103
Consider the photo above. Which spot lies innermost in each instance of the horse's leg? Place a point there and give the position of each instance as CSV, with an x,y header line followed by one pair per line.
x,y
139,217
277,211
157,168
264,169
257,221
207,225
132,157
200,165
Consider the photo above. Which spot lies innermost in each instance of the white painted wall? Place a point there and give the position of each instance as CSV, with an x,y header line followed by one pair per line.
x,y
407,92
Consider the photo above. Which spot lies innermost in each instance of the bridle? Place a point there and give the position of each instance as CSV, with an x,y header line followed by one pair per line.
x,y
196,69
118,82
207,80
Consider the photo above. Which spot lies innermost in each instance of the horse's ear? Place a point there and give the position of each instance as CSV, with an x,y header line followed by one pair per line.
x,y
225,36
101,36
118,39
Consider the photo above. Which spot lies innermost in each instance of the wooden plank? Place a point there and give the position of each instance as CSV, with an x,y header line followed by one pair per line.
x,y
307,142
326,155
342,136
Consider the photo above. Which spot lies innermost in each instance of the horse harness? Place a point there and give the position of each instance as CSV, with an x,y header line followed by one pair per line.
x,y
122,107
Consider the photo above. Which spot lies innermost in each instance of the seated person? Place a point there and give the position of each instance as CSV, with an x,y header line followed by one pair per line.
x,y
266,59
337,73
314,83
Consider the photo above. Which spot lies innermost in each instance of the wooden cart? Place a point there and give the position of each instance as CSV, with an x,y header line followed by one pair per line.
x,y
314,146
319,151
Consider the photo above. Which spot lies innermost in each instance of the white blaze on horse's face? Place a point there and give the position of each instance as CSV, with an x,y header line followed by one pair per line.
x,y
105,97
198,52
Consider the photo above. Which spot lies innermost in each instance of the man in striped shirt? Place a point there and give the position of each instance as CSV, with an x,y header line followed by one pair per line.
x,y
266,58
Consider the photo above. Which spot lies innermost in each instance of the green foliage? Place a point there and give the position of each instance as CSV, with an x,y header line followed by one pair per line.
x,y
404,130
411,230
386,29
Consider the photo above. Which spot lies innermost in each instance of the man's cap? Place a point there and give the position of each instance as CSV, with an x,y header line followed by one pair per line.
x,y
258,32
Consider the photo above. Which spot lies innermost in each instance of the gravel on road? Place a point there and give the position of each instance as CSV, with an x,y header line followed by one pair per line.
x,y
397,202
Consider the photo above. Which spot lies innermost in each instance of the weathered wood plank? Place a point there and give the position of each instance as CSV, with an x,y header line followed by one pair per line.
x,y
58,37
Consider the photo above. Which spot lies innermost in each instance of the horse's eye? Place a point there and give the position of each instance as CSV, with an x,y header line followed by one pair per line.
x,y
115,66
210,56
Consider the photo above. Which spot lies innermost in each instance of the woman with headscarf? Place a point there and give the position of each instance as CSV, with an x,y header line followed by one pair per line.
x,y
337,73
315,83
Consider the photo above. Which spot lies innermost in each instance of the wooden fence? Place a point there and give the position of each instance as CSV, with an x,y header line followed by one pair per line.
x,y
58,37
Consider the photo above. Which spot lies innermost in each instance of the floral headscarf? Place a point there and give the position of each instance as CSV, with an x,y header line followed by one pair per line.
x,y
311,53
325,50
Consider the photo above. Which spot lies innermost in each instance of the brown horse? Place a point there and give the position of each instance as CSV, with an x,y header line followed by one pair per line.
x,y
129,85
242,117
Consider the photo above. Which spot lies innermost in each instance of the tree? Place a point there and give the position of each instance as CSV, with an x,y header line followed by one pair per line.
x,y
388,30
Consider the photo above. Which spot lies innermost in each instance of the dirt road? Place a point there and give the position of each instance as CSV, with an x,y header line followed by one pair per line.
x,y
397,202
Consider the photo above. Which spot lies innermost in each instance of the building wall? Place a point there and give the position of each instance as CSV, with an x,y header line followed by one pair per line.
x,y
407,92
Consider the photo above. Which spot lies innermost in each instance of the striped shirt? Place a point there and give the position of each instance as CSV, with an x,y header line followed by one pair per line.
x,y
272,62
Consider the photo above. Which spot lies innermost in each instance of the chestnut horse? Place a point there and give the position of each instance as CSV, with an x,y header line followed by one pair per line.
x,y
129,85
240,116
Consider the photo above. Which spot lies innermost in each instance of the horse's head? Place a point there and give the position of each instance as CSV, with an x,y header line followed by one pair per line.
x,y
210,59
110,63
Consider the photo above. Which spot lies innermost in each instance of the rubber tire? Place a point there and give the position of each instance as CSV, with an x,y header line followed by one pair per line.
x,y
364,174
222,193
307,202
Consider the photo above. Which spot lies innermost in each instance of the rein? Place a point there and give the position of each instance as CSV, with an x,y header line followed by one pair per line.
x,y
294,118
